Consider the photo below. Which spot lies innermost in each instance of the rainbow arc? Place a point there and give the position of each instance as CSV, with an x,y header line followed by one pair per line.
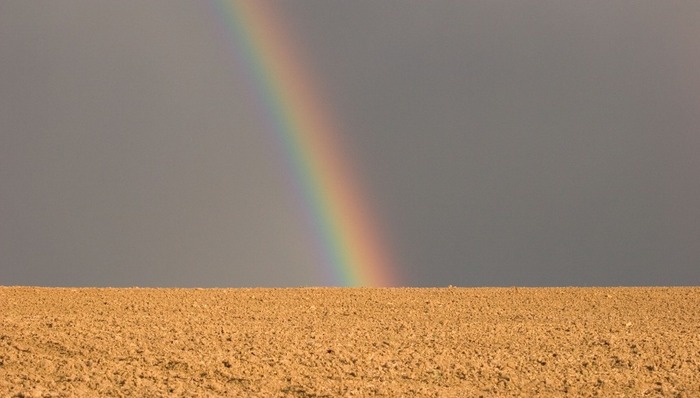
x,y
346,231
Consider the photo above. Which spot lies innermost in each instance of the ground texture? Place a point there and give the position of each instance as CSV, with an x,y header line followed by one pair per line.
x,y
328,342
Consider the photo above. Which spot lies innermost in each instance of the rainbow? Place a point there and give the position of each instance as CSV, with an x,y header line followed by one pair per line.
x,y
347,233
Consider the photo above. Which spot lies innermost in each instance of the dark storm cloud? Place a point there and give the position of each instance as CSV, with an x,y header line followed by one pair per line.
x,y
505,142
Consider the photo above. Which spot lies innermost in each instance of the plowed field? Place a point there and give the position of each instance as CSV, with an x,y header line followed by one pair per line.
x,y
328,342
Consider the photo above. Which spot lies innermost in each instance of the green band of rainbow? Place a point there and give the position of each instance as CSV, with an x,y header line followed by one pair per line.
x,y
346,230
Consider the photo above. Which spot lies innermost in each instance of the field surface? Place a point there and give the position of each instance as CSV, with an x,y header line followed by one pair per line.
x,y
332,342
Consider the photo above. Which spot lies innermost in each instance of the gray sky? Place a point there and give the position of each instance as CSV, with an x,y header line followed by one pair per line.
x,y
503,142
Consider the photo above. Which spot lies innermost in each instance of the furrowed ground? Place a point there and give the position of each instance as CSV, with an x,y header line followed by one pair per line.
x,y
328,342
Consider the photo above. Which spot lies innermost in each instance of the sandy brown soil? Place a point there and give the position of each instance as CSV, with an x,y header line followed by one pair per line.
x,y
450,342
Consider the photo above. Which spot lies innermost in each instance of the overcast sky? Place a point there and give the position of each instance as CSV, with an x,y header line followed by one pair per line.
x,y
503,142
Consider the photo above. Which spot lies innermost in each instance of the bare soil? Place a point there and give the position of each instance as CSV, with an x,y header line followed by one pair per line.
x,y
329,342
